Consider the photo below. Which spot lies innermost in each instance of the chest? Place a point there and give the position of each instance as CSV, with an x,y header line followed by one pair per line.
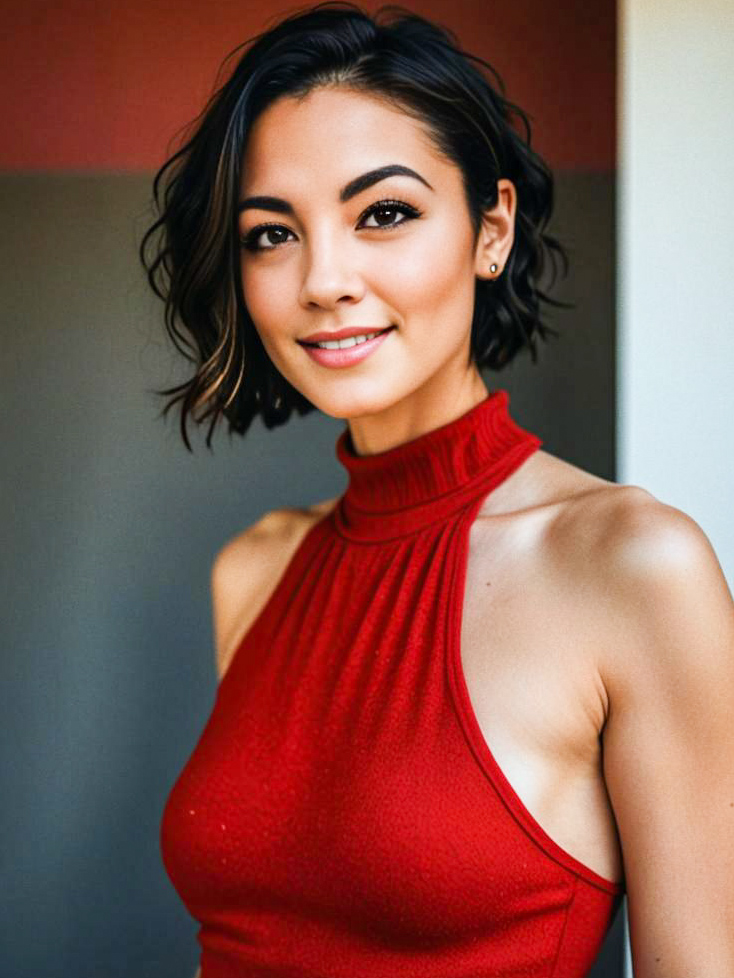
x,y
359,705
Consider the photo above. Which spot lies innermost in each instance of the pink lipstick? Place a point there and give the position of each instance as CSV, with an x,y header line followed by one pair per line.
x,y
348,355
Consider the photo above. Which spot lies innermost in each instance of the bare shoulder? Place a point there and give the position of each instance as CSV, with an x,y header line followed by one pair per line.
x,y
624,552
247,568
619,525
263,539
634,540
648,571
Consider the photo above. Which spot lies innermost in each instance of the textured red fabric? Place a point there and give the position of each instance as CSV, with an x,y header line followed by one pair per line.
x,y
341,815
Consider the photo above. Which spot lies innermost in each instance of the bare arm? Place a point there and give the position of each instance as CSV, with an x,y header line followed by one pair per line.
x,y
668,742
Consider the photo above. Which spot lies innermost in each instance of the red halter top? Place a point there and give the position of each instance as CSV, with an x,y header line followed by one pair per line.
x,y
341,815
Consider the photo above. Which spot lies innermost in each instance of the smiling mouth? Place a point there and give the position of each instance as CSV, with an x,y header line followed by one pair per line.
x,y
370,334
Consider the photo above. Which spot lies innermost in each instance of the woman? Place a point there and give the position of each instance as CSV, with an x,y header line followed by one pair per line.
x,y
468,704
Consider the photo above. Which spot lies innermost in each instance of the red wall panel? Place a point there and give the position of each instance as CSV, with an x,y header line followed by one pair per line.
x,y
108,85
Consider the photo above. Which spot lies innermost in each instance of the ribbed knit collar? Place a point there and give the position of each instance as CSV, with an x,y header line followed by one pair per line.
x,y
422,481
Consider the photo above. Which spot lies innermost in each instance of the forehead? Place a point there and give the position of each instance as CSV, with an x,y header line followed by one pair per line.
x,y
331,135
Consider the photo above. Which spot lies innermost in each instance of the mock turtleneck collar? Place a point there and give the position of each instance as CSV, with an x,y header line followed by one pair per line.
x,y
397,492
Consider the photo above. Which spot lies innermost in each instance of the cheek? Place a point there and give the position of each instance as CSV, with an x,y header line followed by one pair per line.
x,y
431,274
266,299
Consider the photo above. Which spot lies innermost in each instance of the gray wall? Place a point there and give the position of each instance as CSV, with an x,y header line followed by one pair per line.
x,y
109,530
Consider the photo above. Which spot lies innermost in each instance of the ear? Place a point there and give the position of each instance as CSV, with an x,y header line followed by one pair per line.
x,y
497,232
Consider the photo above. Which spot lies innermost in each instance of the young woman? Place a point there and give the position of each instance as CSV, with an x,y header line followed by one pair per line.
x,y
469,703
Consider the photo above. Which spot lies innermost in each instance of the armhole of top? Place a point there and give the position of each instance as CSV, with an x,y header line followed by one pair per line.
x,y
473,733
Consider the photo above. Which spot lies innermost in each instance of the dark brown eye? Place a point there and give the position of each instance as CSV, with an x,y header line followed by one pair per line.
x,y
275,232
250,241
385,210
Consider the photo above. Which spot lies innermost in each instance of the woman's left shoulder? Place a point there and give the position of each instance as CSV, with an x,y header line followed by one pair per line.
x,y
642,541
640,561
659,595
621,529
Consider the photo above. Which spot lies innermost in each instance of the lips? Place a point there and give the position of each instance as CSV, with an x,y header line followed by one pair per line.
x,y
342,334
339,357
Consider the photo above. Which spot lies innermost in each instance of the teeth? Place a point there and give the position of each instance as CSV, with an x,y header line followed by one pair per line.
x,y
350,341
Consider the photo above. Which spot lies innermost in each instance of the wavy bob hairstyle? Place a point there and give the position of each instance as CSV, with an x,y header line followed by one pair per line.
x,y
191,253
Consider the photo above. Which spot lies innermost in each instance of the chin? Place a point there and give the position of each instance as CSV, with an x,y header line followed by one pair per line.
x,y
349,399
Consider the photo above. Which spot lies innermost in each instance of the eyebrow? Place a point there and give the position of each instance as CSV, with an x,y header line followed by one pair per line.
x,y
353,188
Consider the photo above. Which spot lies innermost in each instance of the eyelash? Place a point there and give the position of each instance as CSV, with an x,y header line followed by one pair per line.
x,y
249,240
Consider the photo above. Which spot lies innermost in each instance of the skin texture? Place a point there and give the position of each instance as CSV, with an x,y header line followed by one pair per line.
x,y
598,630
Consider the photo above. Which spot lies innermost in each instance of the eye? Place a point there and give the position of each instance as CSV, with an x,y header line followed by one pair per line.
x,y
382,207
390,207
250,240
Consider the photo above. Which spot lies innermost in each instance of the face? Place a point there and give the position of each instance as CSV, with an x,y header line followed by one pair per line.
x,y
397,253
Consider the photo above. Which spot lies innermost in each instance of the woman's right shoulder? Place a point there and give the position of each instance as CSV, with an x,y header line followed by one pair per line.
x,y
272,531
246,569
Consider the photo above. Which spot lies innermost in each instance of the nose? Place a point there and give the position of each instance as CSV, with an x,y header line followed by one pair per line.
x,y
330,274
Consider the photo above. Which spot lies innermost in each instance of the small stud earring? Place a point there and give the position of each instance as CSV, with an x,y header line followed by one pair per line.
x,y
493,267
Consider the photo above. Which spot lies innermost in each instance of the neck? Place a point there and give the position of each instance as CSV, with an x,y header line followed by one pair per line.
x,y
424,479
415,415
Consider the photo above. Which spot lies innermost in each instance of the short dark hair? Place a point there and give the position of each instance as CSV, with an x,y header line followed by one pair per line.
x,y
191,252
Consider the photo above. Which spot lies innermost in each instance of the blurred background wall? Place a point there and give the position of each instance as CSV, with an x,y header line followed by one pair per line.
x,y
109,525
